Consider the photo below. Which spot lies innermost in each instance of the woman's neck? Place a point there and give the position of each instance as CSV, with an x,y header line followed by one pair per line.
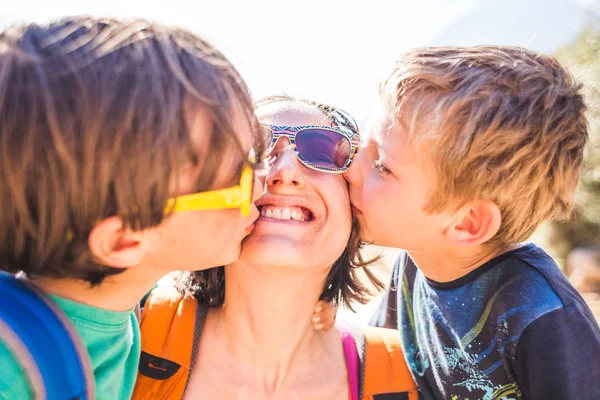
x,y
266,323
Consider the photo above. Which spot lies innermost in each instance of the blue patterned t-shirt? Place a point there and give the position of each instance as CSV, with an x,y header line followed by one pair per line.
x,y
512,329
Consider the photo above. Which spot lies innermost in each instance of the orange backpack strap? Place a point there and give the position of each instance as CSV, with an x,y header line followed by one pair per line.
x,y
384,372
167,325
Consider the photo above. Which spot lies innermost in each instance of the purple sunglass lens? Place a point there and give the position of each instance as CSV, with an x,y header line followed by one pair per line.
x,y
323,148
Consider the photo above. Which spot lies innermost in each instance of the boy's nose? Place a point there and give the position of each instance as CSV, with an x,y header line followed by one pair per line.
x,y
354,174
258,189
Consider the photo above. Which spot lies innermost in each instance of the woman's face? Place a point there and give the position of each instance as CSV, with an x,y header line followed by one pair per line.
x,y
305,216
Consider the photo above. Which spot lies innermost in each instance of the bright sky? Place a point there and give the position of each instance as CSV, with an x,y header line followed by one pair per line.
x,y
327,50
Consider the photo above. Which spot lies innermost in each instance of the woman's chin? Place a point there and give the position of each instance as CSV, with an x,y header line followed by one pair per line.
x,y
273,250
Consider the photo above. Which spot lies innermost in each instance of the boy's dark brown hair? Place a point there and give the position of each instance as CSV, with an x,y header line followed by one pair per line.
x,y
344,283
93,124
497,123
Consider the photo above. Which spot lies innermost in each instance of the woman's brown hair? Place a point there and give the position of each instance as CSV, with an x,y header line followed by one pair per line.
x,y
344,283
93,118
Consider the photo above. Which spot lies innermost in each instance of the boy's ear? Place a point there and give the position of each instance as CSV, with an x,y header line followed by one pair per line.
x,y
115,246
475,223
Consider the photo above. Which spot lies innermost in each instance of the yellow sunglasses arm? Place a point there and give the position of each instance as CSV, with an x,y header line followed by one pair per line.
x,y
214,199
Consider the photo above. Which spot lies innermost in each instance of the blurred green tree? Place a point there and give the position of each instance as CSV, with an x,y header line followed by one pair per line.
x,y
583,229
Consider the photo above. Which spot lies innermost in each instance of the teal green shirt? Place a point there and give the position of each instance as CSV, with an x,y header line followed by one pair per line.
x,y
113,341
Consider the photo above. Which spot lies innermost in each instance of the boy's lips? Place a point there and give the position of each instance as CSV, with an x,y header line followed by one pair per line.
x,y
356,210
255,215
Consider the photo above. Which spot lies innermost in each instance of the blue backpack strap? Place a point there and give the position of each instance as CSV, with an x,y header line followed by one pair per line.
x,y
44,341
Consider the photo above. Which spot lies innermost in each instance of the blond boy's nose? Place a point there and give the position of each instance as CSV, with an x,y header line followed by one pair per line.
x,y
353,174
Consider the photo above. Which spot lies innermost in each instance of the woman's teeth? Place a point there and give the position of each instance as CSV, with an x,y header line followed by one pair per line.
x,y
283,213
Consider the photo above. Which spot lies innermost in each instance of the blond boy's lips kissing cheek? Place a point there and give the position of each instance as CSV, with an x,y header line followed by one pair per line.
x,y
356,210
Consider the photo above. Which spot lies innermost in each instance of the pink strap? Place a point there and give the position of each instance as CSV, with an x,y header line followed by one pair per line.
x,y
351,360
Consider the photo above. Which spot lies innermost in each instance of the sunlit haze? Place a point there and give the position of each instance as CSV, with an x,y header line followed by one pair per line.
x,y
333,51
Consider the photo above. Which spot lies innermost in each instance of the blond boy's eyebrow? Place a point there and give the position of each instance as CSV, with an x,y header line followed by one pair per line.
x,y
389,156
376,133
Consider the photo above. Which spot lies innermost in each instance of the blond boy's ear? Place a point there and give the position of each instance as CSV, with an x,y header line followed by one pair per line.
x,y
113,245
475,223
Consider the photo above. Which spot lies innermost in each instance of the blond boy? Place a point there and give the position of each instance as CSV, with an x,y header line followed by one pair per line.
x,y
472,149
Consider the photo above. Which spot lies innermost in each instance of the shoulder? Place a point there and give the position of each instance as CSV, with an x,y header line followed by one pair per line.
x,y
557,356
537,281
13,381
384,368
528,286
526,277
168,328
165,303
384,359
567,327
166,312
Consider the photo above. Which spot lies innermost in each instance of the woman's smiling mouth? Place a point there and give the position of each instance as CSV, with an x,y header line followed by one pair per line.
x,y
286,212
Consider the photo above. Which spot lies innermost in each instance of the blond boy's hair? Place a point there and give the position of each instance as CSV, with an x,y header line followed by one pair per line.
x,y
499,123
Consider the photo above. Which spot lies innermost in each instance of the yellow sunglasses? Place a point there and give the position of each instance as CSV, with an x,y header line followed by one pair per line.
x,y
238,196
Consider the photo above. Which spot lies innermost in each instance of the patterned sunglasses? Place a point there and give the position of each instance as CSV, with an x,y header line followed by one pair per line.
x,y
322,148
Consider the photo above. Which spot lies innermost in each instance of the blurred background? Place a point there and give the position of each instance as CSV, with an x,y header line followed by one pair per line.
x,y
333,51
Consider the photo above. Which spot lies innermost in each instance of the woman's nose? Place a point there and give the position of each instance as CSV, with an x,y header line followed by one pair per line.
x,y
287,169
